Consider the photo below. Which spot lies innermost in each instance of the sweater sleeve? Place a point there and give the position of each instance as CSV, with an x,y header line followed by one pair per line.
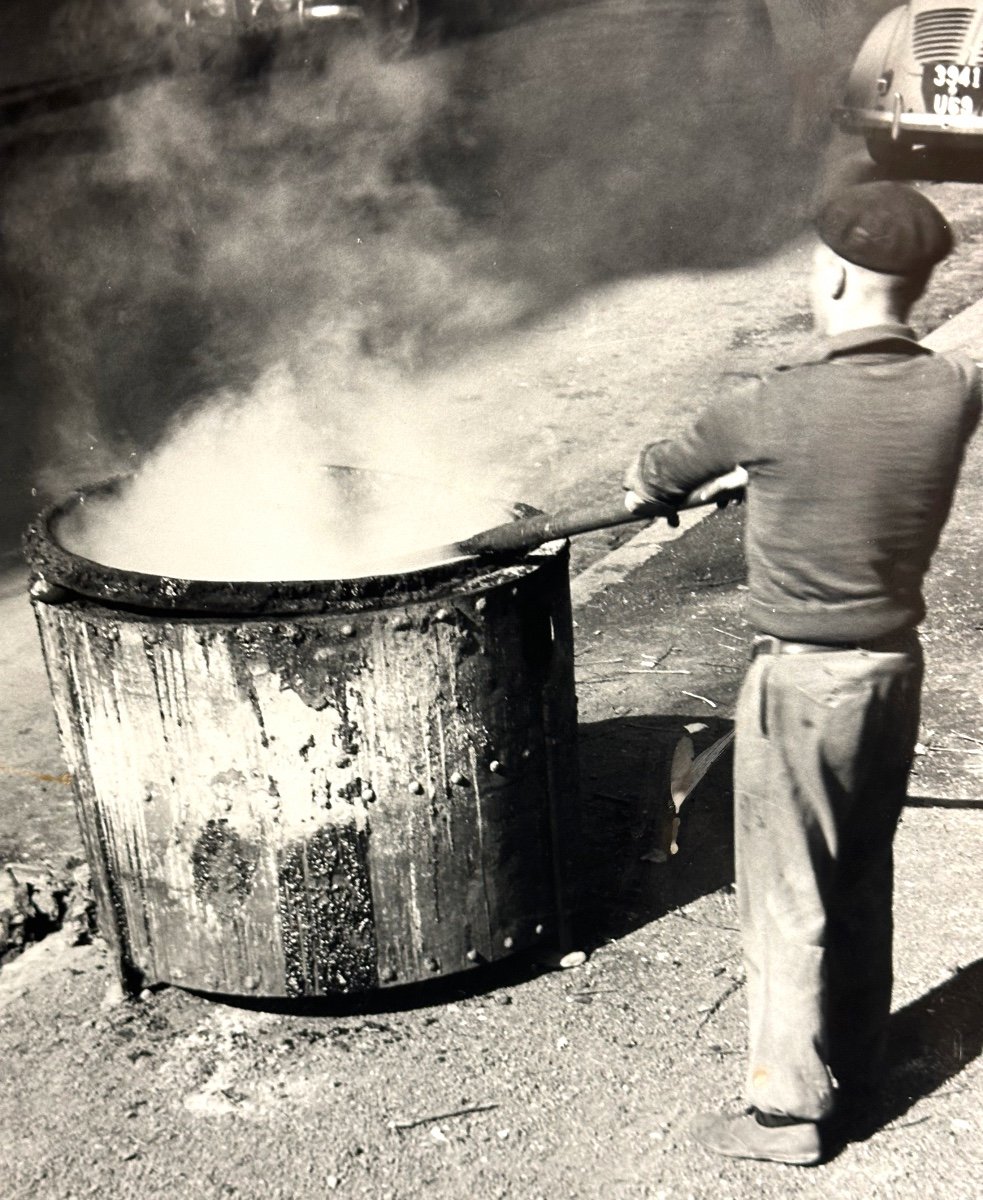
x,y
719,439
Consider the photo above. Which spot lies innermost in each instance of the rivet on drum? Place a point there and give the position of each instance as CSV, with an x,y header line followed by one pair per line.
x,y
508,943
367,794
431,964
495,767
539,930
416,787
402,622
480,604
472,956
457,777
347,630
442,614
48,593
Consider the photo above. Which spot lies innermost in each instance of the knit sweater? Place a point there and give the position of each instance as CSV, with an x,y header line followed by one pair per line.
x,y
853,458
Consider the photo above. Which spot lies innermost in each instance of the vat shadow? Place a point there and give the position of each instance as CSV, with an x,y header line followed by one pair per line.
x,y
490,979
622,878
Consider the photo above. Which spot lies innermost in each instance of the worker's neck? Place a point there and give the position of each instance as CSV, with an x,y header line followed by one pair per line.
x,y
848,320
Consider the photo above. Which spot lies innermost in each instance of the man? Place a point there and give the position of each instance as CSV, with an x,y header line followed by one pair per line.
x,y
852,458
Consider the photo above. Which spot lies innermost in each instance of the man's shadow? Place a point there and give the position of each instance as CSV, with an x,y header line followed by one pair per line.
x,y
930,1041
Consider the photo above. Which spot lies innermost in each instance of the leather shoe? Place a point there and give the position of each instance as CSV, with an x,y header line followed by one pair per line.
x,y
742,1136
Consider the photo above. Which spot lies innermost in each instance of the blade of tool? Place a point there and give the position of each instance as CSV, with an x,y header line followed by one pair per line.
x,y
686,771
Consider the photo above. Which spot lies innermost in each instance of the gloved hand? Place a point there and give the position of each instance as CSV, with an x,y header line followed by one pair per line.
x,y
634,480
725,489
638,499
650,508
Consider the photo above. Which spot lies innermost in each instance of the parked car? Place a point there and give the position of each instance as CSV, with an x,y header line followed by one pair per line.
x,y
916,88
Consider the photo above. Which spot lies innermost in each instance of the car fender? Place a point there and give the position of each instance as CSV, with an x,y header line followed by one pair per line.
x,y
875,54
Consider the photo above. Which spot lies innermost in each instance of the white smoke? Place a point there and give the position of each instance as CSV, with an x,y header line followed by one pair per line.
x,y
313,265
243,489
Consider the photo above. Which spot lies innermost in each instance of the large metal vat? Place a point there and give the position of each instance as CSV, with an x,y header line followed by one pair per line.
x,y
295,789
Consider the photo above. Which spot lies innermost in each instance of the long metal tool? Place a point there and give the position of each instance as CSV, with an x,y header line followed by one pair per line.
x,y
515,537
530,532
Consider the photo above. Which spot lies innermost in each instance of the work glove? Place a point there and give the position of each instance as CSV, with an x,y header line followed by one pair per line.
x,y
725,489
638,497
650,508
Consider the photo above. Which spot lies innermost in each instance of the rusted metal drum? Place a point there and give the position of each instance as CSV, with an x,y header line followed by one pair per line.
x,y
295,789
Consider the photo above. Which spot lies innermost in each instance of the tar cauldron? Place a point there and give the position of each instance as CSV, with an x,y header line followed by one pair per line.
x,y
303,788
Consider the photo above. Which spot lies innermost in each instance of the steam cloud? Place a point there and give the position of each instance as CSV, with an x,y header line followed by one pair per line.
x,y
241,490
330,250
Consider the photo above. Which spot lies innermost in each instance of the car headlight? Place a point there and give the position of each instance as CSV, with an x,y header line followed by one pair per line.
x,y
282,6
215,8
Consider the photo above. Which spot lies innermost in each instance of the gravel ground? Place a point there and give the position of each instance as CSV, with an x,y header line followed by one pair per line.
x,y
523,1082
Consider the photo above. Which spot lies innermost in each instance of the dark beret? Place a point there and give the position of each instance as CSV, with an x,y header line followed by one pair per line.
x,y
885,226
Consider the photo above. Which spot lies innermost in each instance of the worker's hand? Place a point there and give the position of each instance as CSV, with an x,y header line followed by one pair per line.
x,y
650,508
725,489
636,501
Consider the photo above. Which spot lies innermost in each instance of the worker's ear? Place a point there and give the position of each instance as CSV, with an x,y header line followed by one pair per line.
x,y
838,274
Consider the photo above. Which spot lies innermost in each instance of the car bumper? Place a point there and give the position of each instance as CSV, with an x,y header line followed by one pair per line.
x,y
907,126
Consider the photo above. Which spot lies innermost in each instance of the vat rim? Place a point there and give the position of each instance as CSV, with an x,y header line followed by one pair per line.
x,y
121,588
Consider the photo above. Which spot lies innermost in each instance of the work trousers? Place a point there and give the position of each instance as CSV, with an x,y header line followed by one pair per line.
x,y
824,746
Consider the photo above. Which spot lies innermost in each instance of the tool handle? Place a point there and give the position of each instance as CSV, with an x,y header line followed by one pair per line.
x,y
530,532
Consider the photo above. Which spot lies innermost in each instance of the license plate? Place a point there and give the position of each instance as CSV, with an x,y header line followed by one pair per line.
x,y
950,90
